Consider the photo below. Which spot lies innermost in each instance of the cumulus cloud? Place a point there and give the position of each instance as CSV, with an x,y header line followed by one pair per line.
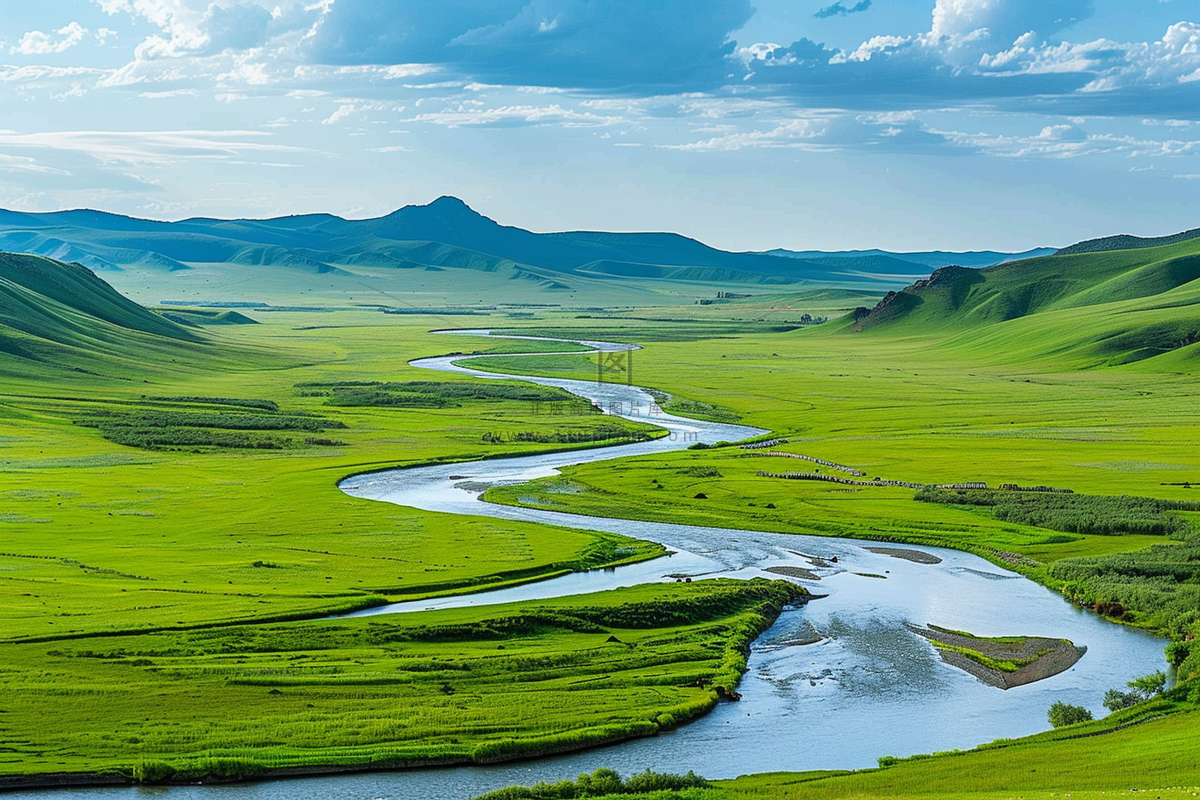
x,y
1000,52
37,43
572,43
199,27
957,22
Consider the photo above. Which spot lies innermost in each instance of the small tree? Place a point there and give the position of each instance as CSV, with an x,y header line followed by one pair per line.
x,y
1144,688
1061,714
1149,685
1115,699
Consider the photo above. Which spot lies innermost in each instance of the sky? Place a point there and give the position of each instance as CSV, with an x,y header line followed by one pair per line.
x,y
749,124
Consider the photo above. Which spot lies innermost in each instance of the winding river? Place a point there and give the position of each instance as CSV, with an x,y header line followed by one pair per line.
x,y
867,687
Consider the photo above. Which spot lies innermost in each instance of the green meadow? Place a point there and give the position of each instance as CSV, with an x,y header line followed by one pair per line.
x,y
101,536
445,687
173,535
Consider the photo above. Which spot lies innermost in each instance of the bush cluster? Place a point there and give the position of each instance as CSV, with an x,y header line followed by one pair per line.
x,y
431,394
1102,515
154,428
600,434
600,783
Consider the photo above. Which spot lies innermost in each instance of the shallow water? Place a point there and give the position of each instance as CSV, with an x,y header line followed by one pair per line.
x,y
868,688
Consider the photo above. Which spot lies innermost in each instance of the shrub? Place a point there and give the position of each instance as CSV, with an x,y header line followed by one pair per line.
x,y
1115,699
152,772
1178,652
1061,714
600,783
1103,515
1149,685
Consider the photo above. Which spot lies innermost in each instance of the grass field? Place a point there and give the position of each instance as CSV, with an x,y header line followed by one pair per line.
x,y
189,542
100,536
911,409
470,685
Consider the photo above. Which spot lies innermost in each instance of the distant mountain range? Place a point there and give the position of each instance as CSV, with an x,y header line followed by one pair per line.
x,y
445,235
1086,306
886,262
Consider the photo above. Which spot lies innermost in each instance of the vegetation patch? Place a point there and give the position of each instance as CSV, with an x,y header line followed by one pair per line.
x,y
1074,513
603,783
436,394
202,423
602,433
696,409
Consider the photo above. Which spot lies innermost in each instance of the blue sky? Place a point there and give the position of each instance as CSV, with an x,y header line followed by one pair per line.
x,y
750,124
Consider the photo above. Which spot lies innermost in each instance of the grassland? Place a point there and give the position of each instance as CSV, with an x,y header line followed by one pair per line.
x,y
913,409
461,686
1089,390
194,552
100,536
154,549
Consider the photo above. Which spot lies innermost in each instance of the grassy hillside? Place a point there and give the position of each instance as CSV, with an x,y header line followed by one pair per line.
x,y
958,297
61,322
37,290
1081,311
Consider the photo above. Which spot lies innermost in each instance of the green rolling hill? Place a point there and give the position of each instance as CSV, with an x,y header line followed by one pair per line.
x,y
58,318
1091,308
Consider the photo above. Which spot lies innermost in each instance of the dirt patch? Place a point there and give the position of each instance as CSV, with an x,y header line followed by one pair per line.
x,y
1033,658
795,572
916,556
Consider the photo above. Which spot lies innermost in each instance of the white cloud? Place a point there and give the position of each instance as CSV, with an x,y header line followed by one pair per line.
x,y
9,163
192,27
961,22
343,111
874,46
146,147
828,132
40,73
468,114
1068,141
180,24
792,133
36,43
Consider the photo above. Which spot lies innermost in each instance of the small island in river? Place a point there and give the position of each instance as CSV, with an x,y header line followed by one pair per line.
x,y
1002,661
